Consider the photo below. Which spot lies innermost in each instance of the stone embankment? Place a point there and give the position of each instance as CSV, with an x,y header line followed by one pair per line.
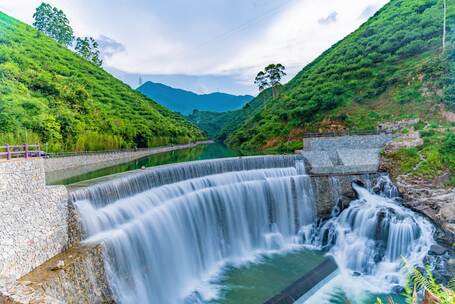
x,y
37,264
33,217
344,154
57,168
33,223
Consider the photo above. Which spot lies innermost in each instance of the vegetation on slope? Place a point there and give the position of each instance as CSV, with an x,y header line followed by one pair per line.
x,y
219,125
48,94
433,159
390,68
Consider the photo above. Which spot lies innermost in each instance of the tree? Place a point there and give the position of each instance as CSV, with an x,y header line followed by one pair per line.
x,y
270,78
54,23
87,47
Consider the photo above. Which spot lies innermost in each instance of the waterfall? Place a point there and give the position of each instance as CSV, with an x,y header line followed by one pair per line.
x,y
167,231
163,244
370,237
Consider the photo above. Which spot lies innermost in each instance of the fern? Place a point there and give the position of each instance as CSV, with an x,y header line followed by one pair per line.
x,y
428,283
451,284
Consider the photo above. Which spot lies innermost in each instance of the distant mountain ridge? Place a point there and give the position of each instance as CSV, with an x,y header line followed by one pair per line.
x,y
185,102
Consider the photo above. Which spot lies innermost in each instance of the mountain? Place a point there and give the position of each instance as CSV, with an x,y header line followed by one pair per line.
x,y
218,125
391,68
185,102
48,94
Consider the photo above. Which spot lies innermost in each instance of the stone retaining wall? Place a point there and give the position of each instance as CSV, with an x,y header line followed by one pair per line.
x,y
33,217
344,154
79,278
347,142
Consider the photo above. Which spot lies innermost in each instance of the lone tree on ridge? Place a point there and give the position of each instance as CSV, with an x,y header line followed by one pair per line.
x,y
270,78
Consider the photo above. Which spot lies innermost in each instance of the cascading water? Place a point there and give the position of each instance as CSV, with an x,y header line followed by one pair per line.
x,y
166,234
369,239
164,243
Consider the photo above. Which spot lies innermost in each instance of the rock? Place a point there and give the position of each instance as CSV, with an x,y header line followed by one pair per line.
x,y
356,274
437,250
59,265
397,289
442,180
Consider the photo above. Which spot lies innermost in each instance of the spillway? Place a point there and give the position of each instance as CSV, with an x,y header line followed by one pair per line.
x,y
167,231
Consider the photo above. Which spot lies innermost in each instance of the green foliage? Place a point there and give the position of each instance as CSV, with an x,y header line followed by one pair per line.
x,y
62,99
410,93
270,77
389,69
448,146
433,292
87,47
54,23
220,125
435,157
426,282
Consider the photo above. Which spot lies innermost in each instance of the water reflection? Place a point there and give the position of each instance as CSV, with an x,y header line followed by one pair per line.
x,y
211,151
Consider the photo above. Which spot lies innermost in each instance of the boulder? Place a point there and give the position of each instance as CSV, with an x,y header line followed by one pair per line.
x,y
437,250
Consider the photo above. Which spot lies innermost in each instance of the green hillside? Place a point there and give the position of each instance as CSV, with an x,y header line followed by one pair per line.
x,y
392,67
218,125
49,94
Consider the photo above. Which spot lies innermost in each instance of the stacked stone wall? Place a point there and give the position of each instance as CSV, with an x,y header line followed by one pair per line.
x,y
346,142
33,217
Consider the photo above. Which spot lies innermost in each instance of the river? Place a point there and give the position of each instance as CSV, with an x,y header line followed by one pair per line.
x,y
201,152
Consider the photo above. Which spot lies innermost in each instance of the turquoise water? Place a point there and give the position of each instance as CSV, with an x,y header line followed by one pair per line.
x,y
345,288
215,150
257,282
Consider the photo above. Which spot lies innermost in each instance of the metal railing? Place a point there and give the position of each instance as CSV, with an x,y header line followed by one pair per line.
x,y
158,149
26,151
346,133
20,151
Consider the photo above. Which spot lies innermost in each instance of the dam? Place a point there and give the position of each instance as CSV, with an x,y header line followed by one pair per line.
x,y
188,233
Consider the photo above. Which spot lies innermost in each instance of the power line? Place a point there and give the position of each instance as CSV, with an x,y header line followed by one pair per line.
x,y
245,25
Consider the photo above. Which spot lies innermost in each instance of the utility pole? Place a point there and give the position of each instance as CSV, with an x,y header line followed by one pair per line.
x,y
444,26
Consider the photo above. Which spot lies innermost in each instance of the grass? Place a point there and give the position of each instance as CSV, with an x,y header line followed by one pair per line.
x,y
434,158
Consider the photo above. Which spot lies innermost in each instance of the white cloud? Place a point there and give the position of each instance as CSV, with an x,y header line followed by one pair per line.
x,y
141,40
331,18
109,47
296,37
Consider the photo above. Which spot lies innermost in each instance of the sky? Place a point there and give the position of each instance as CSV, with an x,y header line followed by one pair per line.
x,y
206,45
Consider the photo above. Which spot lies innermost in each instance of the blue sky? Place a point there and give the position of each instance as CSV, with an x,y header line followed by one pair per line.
x,y
207,45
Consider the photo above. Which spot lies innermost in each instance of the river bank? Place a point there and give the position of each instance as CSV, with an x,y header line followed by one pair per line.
x,y
59,168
